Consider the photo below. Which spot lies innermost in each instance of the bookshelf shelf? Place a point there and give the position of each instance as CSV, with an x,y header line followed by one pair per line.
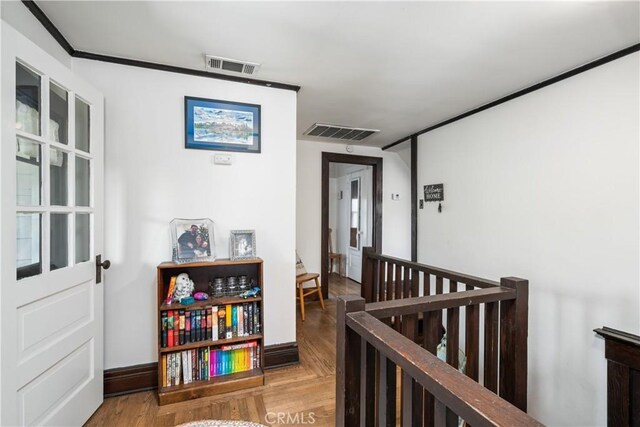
x,y
210,343
183,354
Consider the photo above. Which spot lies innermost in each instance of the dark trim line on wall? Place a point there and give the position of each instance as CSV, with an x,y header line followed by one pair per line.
x,y
414,198
48,25
57,35
376,163
598,62
133,379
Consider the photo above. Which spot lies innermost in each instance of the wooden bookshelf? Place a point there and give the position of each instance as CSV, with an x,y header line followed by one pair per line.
x,y
202,273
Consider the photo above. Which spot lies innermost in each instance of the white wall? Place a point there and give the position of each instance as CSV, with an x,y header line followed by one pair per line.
x,y
19,17
396,215
150,178
545,187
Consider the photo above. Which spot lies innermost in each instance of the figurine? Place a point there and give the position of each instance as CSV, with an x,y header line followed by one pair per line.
x,y
200,296
184,287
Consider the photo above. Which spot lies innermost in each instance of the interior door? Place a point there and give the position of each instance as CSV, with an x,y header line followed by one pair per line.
x,y
359,231
51,175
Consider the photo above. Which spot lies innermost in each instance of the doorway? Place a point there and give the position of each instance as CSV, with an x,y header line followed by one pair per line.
x,y
355,219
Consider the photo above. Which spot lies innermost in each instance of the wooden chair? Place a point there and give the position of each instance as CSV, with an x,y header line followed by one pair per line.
x,y
303,277
334,256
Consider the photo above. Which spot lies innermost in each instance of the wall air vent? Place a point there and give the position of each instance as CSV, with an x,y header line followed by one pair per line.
x,y
339,132
219,63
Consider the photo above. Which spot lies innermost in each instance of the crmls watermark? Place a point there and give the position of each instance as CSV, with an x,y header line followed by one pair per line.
x,y
294,418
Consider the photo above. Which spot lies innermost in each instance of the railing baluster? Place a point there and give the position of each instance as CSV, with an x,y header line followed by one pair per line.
x,y
432,327
472,338
453,342
491,346
390,295
411,393
382,286
440,414
513,343
386,392
426,285
348,349
438,285
368,385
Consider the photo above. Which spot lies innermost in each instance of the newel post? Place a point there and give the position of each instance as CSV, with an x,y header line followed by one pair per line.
x,y
348,348
514,330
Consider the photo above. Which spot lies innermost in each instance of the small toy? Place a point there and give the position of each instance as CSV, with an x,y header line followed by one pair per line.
x,y
253,293
187,301
200,296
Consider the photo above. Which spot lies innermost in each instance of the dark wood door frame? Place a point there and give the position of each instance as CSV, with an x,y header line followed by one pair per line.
x,y
376,242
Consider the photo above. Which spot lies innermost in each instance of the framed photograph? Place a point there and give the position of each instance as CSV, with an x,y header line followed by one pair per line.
x,y
242,244
193,240
221,125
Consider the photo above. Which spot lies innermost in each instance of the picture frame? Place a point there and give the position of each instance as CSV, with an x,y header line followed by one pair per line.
x,y
212,124
193,240
242,245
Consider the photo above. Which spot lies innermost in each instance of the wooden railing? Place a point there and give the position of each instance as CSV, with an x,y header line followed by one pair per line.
x,y
622,351
398,326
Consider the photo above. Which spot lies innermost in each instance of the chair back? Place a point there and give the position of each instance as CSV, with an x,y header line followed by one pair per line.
x,y
330,243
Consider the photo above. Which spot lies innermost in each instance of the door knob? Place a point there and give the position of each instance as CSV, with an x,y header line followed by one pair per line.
x,y
99,266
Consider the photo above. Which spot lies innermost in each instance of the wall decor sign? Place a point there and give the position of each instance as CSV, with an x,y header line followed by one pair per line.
x,y
221,125
434,193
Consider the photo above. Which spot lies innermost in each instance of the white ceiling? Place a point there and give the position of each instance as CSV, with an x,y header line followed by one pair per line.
x,y
394,66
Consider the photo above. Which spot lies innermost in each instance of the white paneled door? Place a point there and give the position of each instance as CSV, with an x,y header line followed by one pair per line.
x,y
359,221
51,217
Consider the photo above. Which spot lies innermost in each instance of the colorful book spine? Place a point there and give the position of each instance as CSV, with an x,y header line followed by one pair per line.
x,y
222,322
176,327
170,328
187,326
172,288
163,329
209,322
181,328
229,322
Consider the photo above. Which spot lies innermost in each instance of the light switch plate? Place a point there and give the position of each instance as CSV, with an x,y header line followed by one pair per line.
x,y
223,159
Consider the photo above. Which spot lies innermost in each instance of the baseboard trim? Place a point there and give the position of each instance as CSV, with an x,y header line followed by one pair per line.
x,y
278,355
130,379
133,379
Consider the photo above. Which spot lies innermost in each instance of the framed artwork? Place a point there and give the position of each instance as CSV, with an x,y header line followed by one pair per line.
x,y
193,240
242,244
221,125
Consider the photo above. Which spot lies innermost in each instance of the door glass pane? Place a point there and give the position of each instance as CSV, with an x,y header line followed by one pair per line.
x,y
59,241
59,112
28,244
58,170
28,173
27,100
83,181
82,125
355,214
83,237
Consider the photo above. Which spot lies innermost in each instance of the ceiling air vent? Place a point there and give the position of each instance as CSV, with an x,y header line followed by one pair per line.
x,y
339,132
219,63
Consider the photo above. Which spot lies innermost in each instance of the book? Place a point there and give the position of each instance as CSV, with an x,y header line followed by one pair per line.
x,y
222,322
240,320
170,328
193,327
203,324
209,322
181,328
172,289
164,370
163,334
234,321
214,324
176,327
187,326
228,325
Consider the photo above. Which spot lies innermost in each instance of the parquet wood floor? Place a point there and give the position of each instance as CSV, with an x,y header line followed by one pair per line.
x,y
306,391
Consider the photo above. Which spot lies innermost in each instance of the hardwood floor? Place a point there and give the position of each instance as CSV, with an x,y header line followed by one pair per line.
x,y
304,393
